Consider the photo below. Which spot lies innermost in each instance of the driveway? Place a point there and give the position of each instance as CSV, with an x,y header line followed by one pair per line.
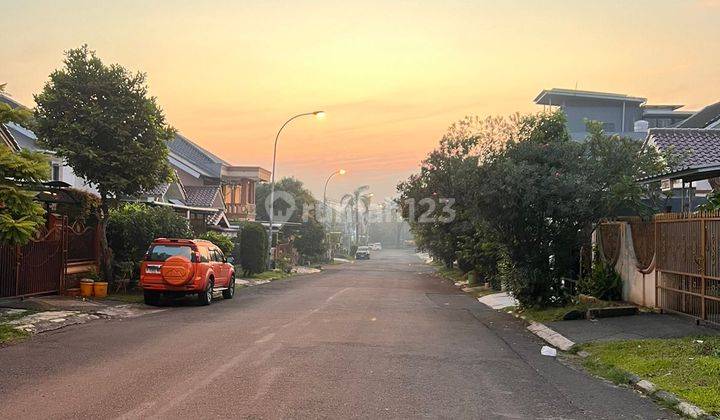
x,y
382,338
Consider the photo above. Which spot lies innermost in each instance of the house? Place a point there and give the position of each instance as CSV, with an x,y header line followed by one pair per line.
x,y
699,151
707,118
212,182
621,114
207,190
27,140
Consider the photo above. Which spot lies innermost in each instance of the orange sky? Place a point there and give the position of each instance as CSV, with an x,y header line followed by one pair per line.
x,y
392,75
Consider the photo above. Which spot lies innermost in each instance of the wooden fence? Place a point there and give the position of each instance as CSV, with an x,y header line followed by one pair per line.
x,y
684,249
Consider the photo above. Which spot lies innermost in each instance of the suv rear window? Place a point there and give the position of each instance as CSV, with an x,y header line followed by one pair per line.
x,y
163,252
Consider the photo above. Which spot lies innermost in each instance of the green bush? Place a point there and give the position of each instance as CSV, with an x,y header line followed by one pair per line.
x,y
132,227
603,282
310,242
223,242
253,248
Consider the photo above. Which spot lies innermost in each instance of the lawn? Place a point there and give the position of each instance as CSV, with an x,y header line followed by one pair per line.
x,y
687,367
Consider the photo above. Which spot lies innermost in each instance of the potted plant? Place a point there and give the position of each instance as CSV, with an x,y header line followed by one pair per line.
x,y
99,286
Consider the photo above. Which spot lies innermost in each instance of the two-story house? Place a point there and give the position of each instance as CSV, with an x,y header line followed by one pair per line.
x,y
629,116
207,190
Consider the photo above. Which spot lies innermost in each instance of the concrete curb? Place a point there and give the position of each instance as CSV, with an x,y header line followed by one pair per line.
x,y
551,336
650,389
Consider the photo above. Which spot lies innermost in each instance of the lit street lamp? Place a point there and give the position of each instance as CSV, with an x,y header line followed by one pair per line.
x,y
338,172
319,115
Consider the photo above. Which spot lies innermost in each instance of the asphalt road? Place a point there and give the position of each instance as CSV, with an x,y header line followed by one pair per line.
x,y
375,339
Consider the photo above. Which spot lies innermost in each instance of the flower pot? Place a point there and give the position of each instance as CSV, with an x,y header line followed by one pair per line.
x,y
100,289
86,288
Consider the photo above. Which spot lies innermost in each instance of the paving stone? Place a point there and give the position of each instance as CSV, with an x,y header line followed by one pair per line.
x,y
668,397
646,386
690,410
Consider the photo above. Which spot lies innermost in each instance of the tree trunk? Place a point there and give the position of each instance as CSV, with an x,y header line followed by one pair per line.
x,y
106,267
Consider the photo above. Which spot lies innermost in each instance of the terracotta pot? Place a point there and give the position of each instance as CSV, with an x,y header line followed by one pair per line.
x,y
86,288
100,289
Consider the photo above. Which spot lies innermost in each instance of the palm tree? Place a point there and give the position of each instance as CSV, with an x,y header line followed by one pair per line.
x,y
353,201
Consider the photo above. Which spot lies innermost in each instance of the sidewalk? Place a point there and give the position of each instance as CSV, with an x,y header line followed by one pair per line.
x,y
47,313
630,328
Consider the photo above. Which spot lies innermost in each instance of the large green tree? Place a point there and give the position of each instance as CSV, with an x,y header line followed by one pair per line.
x,y
20,215
101,120
310,241
301,196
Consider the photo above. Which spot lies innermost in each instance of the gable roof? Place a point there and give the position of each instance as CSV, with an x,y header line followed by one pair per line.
x,y
203,161
698,148
703,118
201,196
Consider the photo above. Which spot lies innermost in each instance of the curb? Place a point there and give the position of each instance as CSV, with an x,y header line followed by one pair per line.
x,y
650,389
551,336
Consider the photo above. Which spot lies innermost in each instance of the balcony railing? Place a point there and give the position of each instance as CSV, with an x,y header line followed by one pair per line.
x,y
240,211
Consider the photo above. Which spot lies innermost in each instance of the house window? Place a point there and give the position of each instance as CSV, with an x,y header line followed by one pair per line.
x,y
56,172
239,199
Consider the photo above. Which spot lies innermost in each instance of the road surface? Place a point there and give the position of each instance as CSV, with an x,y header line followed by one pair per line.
x,y
382,338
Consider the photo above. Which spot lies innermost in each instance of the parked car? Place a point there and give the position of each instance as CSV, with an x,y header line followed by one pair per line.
x,y
362,253
178,267
377,246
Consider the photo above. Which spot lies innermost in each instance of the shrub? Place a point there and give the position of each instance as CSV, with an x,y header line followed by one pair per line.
x,y
132,227
603,282
310,242
253,248
86,208
223,242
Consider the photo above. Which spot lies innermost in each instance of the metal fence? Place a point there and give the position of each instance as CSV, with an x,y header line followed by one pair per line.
x,y
40,266
37,267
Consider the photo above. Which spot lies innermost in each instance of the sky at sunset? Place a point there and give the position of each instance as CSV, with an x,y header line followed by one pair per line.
x,y
391,75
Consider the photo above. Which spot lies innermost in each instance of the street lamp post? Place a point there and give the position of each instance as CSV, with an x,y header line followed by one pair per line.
x,y
338,172
318,114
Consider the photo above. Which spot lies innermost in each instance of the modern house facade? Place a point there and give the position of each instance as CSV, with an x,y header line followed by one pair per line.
x,y
625,115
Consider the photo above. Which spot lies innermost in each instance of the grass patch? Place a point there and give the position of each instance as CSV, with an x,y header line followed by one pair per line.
x,y
126,297
480,291
8,334
271,275
556,313
452,274
689,369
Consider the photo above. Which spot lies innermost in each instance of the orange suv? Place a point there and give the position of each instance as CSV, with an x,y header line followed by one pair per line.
x,y
177,267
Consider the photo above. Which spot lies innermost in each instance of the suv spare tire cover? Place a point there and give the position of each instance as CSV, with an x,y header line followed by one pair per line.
x,y
176,270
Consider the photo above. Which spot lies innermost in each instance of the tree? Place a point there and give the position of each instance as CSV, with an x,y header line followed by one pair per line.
x,y
20,215
310,241
100,119
223,242
303,199
353,201
132,228
253,248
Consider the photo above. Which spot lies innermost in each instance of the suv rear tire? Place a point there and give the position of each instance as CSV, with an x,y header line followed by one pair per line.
x,y
230,291
205,297
151,298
